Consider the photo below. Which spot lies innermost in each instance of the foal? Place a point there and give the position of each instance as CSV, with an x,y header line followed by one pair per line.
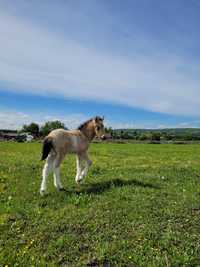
x,y
59,142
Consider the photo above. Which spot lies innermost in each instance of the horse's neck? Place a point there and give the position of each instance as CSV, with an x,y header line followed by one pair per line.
x,y
88,133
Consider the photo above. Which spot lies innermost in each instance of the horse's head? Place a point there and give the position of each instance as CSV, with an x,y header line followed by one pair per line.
x,y
99,127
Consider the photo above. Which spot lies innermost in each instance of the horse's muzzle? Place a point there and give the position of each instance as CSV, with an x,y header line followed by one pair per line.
x,y
103,137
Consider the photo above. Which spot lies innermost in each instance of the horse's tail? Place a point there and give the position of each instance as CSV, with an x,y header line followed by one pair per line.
x,y
47,146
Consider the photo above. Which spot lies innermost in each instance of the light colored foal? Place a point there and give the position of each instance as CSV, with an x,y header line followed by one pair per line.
x,y
61,142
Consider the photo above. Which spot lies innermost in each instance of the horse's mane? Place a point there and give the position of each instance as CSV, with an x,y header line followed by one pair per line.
x,y
82,125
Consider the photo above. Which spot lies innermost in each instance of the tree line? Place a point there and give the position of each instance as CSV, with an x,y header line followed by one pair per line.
x,y
188,134
41,131
176,134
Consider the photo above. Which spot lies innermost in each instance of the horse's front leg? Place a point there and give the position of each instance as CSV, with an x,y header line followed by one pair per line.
x,y
79,166
88,165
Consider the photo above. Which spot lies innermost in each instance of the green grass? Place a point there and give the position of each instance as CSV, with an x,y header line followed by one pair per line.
x,y
139,206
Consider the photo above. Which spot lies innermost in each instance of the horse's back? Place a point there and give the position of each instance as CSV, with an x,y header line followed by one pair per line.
x,y
67,140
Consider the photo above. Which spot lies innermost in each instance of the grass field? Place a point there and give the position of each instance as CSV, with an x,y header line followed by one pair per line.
x,y
139,206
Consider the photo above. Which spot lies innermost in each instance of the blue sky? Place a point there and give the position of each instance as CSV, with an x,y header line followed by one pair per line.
x,y
136,62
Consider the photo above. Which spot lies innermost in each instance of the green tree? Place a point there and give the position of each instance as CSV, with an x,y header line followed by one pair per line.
x,y
188,137
143,136
51,125
156,136
32,128
109,131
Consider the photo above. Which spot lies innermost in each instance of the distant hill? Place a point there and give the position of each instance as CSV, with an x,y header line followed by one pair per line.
x,y
167,130
167,134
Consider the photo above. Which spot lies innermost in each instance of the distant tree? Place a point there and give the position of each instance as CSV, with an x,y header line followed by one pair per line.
x,y
51,125
169,137
115,135
126,135
143,136
156,136
109,130
188,137
32,128
135,134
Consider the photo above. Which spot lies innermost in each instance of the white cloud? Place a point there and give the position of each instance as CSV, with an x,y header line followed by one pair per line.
x,y
38,61
10,119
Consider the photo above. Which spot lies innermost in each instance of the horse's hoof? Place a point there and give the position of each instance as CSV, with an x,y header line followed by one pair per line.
x,y
80,181
62,189
42,192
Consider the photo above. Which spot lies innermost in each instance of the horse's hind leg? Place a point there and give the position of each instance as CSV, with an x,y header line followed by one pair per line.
x,y
57,181
48,167
79,169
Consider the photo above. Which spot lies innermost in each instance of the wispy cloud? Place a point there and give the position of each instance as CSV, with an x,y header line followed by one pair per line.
x,y
11,119
37,60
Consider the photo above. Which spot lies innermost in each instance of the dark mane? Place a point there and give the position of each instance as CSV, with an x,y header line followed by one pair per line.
x,y
82,125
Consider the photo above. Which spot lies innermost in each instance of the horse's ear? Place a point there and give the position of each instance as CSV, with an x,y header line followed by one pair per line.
x,y
98,118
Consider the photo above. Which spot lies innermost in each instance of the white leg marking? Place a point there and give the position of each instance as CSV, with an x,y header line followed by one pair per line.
x,y
81,173
56,169
57,181
79,169
45,173
88,164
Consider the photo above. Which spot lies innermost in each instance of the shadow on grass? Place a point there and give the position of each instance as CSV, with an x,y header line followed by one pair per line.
x,y
100,187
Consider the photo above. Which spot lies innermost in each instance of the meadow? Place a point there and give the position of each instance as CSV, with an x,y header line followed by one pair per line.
x,y
139,206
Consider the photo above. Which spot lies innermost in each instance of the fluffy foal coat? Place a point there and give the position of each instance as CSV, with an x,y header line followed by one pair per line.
x,y
60,142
